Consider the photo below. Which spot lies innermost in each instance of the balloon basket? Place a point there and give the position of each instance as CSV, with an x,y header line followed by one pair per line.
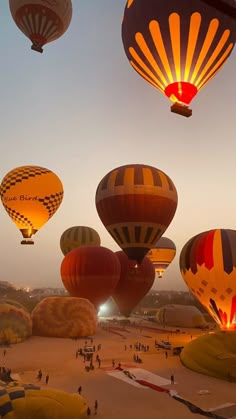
x,y
27,242
181,110
37,48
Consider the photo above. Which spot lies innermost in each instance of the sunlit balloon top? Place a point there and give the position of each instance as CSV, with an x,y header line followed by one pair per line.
x,y
42,21
136,203
177,46
208,266
31,195
77,236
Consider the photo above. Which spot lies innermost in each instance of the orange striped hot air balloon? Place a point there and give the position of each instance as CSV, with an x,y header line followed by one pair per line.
x,y
42,21
31,195
177,45
161,255
208,266
136,204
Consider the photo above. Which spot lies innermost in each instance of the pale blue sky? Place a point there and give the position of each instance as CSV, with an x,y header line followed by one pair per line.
x,y
80,110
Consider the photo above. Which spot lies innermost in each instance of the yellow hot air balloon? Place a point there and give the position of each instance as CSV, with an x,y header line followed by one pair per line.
x,y
31,195
78,236
162,254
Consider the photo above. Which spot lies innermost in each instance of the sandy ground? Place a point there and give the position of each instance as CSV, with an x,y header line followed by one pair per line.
x,y
117,398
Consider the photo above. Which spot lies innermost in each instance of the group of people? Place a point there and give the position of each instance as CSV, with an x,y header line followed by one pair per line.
x,y
40,376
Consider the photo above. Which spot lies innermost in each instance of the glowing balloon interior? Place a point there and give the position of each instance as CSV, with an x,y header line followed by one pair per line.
x,y
42,21
177,46
136,204
161,255
31,195
208,266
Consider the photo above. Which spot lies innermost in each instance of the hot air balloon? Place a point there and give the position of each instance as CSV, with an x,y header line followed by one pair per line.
x,y
177,46
31,195
42,21
78,236
208,266
136,204
162,254
134,283
90,272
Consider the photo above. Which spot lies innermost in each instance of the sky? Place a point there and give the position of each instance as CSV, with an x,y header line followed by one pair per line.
x,y
80,110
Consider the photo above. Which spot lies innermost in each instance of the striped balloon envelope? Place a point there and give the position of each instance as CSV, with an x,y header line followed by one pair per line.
x,y
178,46
136,204
31,195
208,266
42,21
78,236
161,255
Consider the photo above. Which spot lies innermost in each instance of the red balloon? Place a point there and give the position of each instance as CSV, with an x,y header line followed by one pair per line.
x,y
90,272
135,282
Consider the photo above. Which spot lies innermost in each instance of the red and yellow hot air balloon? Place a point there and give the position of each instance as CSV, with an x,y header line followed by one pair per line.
x,y
161,255
177,46
31,195
134,283
78,236
91,272
136,204
208,266
42,21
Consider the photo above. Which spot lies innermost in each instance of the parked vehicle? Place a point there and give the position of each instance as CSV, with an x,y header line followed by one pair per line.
x,y
177,350
165,344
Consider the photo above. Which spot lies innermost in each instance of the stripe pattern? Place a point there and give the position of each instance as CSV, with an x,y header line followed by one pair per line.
x,y
208,266
136,203
178,47
78,236
42,22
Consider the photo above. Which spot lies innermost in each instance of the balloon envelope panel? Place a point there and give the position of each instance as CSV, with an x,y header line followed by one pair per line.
x,y
162,254
208,266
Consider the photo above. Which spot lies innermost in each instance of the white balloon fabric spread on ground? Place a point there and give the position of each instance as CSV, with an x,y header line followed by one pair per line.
x,y
64,317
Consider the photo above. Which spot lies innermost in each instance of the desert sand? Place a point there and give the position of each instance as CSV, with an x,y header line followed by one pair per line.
x,y
117,397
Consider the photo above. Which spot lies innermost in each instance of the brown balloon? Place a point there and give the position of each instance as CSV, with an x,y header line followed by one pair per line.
x,y
135,282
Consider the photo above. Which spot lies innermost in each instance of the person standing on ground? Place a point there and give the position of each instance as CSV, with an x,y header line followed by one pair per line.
x,y
172,379
47,378
95,407
79,389
88,411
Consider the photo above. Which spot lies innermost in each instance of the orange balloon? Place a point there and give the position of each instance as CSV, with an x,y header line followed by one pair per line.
x,y
91,272
135,282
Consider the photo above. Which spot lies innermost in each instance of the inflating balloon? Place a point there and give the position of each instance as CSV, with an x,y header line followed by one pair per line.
x,y
78,236
177,46
91,272
161,255
64,317
19,401
31,195
208,266
15,323
136,204
134,283
42,21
